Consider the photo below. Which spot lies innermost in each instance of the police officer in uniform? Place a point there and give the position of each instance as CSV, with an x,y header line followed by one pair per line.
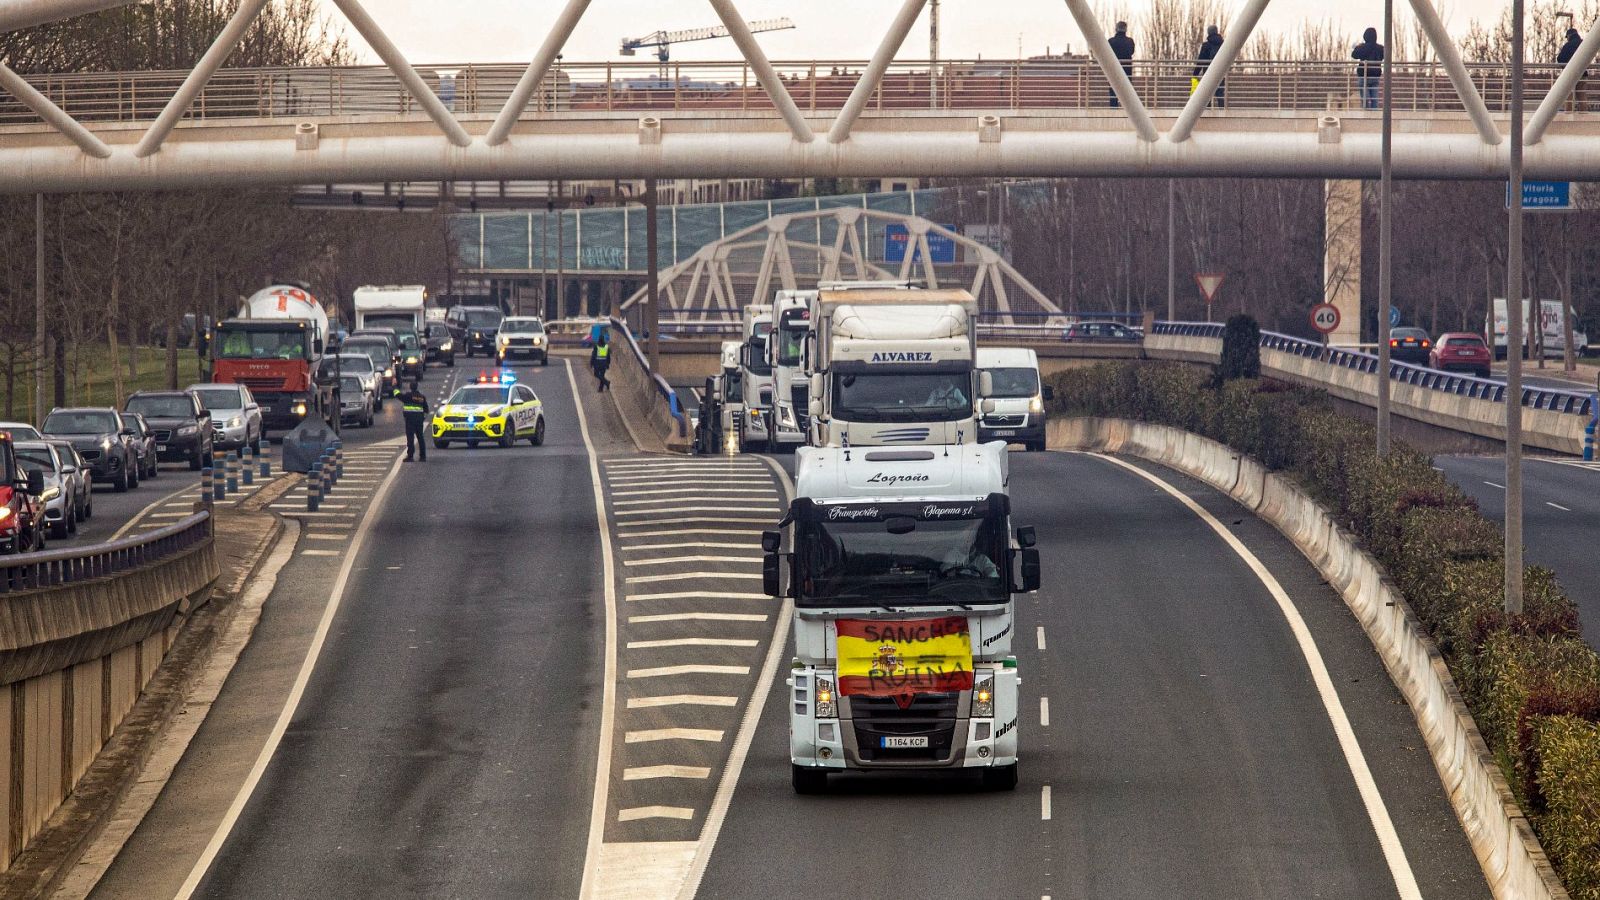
x,y
600,360
415,407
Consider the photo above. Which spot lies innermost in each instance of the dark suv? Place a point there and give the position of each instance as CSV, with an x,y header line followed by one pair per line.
x,y
474,327
101,438
181,423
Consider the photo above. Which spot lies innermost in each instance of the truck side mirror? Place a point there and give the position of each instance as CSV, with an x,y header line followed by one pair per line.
x,y
1030,570
814,407
771,583
818,385
1027,536
771,541
985,384
988,406
35,482
1049,392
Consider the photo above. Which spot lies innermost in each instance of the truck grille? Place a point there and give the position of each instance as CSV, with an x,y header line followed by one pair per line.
x,y
933,715
261,384
1004,421
800,395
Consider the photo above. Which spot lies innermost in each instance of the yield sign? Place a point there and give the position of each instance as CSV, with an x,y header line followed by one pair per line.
x,y
1209,283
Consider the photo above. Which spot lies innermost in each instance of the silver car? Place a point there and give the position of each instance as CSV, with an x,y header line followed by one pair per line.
x,y
21,431
60,497
358,365
74,465
235,416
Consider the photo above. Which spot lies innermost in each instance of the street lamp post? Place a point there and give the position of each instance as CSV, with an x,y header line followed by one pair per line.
x,y
1385,232
1514,294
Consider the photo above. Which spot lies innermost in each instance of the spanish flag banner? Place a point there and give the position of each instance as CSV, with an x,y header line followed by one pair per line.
x,y
895,658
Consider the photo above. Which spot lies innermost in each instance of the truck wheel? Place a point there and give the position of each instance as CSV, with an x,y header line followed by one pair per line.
x,y
807,780
1000,778
538,434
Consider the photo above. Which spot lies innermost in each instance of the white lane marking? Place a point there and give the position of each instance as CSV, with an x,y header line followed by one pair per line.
x,y
1044,803
327,537
692,669
640,773
694,490
165,500
705,494
691,642
747,729
683,480
1044,712
698,617
334,515
335,597
608,684
680,700
743,508
1493,485
1388,839
167,515
680,546
1039,632
698,595
650,735
1557,506
759,524
691,576
319,552
635,813
677,462
675,560
680,532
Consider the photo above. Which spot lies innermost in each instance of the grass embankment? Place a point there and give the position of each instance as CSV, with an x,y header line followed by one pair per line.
x,y
94,385
1531,681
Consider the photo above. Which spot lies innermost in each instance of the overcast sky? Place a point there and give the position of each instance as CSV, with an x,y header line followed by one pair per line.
x,y
510,30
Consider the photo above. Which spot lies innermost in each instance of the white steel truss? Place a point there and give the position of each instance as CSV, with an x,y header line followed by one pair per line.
x,y
706,285
64,154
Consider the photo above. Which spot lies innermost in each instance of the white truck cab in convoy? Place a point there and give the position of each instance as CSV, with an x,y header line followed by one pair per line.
x,y
902,570
1013,411
721,409
786,354
756,375
891,366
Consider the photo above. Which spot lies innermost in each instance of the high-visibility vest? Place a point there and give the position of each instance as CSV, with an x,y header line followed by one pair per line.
x,y
602,351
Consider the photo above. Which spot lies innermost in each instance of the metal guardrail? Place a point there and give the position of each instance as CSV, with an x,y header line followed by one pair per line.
x,y
29,571
1552,399
816,85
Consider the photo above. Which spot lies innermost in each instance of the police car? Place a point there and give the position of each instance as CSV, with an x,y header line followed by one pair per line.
x,y
495,408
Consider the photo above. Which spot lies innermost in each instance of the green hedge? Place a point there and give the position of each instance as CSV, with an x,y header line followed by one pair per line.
x,y
1532,683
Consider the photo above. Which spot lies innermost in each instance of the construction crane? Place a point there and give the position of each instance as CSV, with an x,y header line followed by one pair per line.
x,y
661,40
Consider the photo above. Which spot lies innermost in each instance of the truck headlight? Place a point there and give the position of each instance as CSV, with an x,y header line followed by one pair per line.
x,y
299,408
826,707
983,697
786,417
1036,405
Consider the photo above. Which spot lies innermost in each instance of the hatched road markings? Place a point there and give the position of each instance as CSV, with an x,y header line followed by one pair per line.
x,y
694,663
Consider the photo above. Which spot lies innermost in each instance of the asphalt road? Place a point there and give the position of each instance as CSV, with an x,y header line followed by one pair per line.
x,y
1560,515
1187,752
445,745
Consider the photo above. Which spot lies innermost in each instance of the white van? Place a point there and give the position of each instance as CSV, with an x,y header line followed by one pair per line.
x,y
1014,409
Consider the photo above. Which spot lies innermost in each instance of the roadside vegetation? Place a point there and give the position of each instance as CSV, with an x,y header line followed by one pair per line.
x,y
1531,681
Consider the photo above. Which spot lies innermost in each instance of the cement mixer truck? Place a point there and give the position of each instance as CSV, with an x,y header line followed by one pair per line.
x,y
272,347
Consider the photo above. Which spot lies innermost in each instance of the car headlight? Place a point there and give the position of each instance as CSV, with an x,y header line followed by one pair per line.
x,y
447,346
502,339
477,335
826,706
105,443
1036,404
50,493
411,360
6,513
188,429
983,697
388,373
235,422
538,340
495,413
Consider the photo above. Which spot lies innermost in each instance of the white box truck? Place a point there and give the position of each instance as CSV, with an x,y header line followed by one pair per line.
x,y
401,307
891,366
903,569
1552,324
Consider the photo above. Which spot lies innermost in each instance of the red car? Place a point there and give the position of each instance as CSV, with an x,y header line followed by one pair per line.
x,y
1461,351
21,514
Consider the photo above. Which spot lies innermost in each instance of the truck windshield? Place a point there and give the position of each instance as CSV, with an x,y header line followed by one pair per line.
x,y
758,355
900,560
236,343
902,396
396,321
790,339
732,386
1017,382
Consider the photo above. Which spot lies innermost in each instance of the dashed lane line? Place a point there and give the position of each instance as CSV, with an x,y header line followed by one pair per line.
x,y
688,544
650,735
1044,712
698,617
709,520
641,773
1557,506
320,552
1039,633
692,509
697,595
691,642
692,490
691,669
680,532
635,813
1044,803
681,700
691,576
327,537
699,494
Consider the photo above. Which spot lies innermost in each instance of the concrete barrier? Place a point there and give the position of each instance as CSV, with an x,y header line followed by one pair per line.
x,y
81,633
1545,429
642,395
1513,862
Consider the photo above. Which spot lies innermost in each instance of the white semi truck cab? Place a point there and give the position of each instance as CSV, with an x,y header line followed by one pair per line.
x,y
786,352
890,366
902,568
756,374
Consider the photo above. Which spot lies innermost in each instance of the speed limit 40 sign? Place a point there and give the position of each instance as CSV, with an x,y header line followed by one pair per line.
x,y
1325,317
